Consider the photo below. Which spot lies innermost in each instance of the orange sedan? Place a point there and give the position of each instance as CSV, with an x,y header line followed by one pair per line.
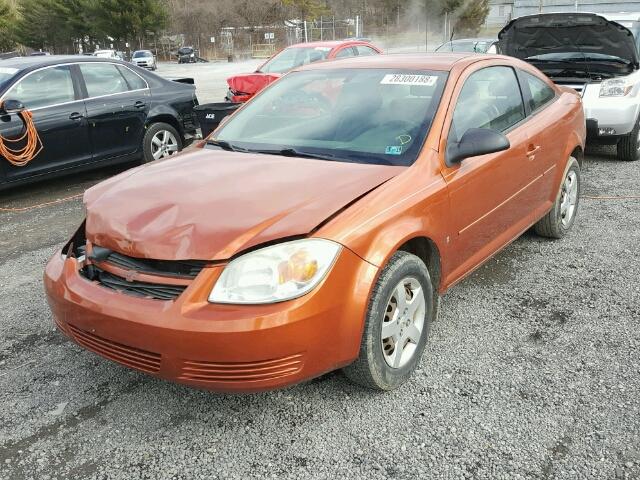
x,y
317,227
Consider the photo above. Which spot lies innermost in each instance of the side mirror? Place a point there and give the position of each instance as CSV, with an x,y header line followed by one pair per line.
x,y
12,106
474,142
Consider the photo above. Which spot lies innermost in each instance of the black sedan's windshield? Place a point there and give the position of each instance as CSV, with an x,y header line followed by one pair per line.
x,y
377,116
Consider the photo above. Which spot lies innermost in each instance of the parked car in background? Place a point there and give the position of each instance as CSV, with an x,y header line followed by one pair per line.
x,y
144,59
187,55
476,45
244,86
318,226
90,111
106,54
39,54
596,57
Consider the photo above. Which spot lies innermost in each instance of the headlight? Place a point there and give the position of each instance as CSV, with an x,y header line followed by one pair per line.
x,y
277,273
193,55
615,87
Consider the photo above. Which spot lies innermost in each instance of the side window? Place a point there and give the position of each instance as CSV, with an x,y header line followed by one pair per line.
x,y
490,98
541,93
363,51
345,52
44,88
134,80
102,79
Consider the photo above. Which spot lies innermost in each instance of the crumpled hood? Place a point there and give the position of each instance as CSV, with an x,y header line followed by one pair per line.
x,y
210,204
587,33
251,83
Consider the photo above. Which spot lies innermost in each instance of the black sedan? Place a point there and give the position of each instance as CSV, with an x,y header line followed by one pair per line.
x,y
91,112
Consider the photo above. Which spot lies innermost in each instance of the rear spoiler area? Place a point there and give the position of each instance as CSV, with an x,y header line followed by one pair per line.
x,y
187,80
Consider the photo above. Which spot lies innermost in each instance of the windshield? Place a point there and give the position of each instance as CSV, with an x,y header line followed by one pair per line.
x,y
291,58
185,51
6,74
371,116
142,54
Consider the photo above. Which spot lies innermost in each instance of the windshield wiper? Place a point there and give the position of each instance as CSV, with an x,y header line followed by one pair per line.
x,y
223,144
292,152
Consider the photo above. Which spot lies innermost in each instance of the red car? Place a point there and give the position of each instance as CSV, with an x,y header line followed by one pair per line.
x,y
244,86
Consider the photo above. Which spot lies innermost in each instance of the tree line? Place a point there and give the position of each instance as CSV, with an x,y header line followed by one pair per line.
x,y
68,26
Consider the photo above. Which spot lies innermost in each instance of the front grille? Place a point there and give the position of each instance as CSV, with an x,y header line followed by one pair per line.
x,y
241,372
155,291
131,357
169,268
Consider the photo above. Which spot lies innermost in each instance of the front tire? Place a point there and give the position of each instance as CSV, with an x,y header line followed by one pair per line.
x,y
629,146
160,140
397,323
559,220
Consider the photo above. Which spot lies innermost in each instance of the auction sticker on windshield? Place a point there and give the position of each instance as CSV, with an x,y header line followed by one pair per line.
x,y
404,79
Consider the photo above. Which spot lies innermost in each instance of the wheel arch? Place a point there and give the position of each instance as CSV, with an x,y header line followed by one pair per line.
x,y
426,250
165,116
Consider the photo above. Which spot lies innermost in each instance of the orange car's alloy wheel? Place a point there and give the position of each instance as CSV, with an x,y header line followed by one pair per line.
x,y
401,309
403,322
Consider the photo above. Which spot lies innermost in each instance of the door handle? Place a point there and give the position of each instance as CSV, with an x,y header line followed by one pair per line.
x,y
76,116
532,150
139,104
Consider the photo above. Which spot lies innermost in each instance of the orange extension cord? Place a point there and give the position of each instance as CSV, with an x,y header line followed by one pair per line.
x,y
21,156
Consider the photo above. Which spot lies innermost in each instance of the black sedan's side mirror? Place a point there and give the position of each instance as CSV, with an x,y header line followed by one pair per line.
x,y
12,106
474,142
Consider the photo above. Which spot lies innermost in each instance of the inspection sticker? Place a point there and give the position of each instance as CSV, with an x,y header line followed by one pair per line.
x,y
404,79
393,150
8,71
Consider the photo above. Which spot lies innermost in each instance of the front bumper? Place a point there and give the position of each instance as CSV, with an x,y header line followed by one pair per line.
x,y
225,348
614,116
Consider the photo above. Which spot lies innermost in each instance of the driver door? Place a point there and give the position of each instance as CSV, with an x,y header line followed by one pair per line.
x,y
52,96
493,197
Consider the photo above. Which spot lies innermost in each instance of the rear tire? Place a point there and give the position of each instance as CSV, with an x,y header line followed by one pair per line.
x,y
160,140
629,145
398,319
559,220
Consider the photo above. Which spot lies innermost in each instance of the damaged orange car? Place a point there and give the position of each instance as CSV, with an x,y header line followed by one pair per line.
x,y
317,227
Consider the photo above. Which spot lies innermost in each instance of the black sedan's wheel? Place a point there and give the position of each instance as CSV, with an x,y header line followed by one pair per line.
x,y
629,146
560,219
401,309
160,140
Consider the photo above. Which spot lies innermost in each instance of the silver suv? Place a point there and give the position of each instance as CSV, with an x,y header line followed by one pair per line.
x,y
597,57
144,59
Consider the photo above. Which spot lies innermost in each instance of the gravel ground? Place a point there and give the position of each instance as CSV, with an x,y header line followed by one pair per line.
x,y
532,372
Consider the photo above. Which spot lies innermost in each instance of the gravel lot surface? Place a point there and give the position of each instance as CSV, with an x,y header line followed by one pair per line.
x,y
532,371
210,78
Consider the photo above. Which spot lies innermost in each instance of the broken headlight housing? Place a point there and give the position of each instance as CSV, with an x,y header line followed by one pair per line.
x,y
276,273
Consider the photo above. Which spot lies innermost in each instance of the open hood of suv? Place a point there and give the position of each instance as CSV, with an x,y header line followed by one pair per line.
x,y
588,35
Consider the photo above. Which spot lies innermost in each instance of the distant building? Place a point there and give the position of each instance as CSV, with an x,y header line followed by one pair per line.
x,y
501,11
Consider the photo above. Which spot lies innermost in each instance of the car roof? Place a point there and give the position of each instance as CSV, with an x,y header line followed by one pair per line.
x,y
328,43
409,61
28,63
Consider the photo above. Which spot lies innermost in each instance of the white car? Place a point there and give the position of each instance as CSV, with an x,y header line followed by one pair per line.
x,y
106,54
596,56
144,59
